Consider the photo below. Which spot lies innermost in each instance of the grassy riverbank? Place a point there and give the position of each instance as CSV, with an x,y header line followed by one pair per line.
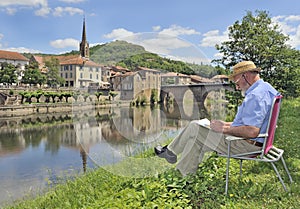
x,y
258,188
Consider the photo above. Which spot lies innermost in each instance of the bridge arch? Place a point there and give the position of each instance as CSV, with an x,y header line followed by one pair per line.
x,y
200,92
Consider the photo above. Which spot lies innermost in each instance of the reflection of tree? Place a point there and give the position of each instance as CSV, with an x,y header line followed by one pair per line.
x,y
33,137
9,141
53,144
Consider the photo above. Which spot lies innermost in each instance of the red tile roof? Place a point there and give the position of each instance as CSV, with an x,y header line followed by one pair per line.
x,y
8,55
68,60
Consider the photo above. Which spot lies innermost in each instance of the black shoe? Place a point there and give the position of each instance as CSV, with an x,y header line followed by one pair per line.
x,y
164,152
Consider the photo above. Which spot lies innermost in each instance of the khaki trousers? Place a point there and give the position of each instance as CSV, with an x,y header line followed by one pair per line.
x,y
195,140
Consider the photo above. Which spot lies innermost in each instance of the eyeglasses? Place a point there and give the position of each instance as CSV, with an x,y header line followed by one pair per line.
x,y
235,82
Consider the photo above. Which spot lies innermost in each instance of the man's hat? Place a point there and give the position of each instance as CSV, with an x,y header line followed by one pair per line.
x,y
242,67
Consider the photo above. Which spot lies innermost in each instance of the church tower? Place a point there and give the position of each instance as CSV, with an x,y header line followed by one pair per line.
x,y
84,45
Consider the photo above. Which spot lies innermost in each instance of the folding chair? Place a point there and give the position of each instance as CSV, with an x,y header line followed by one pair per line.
x,y
268,153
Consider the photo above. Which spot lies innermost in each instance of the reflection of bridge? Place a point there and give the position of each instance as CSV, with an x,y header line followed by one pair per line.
x,y
200,92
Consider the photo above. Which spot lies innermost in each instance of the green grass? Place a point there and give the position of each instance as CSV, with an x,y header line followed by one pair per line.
x,y
257,188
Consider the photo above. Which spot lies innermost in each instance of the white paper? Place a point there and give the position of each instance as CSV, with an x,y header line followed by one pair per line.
x,y
204,122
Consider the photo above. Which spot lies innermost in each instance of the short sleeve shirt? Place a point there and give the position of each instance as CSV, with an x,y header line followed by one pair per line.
x,y
255,108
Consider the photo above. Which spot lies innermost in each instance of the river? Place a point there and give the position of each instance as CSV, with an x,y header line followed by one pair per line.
x,y
38,151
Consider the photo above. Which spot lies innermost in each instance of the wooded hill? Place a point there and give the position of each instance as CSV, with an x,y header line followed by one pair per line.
x,y
130,56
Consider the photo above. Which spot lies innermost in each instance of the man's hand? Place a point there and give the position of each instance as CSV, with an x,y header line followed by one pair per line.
x,y
247,132
219,126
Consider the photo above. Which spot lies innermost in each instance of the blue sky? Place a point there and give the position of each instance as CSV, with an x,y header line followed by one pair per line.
x,y
186,30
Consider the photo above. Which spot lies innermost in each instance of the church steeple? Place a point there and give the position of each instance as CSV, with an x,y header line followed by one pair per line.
x,y
84,45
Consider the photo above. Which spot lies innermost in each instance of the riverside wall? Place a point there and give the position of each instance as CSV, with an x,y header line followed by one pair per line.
x,y
53,108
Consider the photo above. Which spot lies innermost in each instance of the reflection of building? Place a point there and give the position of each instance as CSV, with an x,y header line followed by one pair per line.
x,y
133,124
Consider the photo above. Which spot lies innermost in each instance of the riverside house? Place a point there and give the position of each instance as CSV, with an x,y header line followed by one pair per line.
x,y
138,83
15,59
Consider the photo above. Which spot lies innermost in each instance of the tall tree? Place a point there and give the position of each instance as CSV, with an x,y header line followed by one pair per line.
x,y
53,77
33,75
258,39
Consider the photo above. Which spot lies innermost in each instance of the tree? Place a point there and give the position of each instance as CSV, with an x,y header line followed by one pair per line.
x,y
8,73
33,75
53,77
258,39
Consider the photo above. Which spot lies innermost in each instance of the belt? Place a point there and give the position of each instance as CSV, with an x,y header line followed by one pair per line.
x,y
256,143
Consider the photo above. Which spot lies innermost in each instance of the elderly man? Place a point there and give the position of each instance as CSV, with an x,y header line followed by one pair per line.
x,y
251,119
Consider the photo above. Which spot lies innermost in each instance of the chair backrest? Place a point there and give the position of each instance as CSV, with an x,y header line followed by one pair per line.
x,y
275,108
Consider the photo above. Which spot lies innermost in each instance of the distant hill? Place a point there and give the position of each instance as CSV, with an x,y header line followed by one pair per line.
x,y
154,61
113,52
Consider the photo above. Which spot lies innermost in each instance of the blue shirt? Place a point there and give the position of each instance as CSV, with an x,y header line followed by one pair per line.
x,y
255,109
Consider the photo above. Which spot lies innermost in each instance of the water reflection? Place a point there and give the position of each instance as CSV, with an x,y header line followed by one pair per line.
x,y
36,150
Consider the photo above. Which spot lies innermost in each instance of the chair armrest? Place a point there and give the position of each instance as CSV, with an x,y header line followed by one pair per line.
x,y
234,138
262,135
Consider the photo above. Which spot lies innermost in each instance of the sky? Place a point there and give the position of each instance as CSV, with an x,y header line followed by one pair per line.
x,y
183,30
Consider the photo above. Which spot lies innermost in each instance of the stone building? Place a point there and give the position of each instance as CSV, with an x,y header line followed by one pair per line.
x,y
136,84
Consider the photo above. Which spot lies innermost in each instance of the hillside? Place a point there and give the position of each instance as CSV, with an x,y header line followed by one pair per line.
x,y
113,52
130,56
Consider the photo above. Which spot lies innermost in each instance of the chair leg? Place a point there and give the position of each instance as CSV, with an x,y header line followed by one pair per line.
x,y
286,170
278,175
241,168
227,167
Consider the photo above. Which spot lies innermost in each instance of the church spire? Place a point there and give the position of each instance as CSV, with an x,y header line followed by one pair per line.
x,y
84,45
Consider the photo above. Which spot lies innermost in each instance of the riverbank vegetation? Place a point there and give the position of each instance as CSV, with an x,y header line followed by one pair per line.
x,y
257,188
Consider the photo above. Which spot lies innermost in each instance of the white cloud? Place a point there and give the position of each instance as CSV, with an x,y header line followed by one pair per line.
x,y
289,25
11,11
60,11
64,43
176,30
41,6
295,39
22,50
12,6
213,37
119,33
293,18
33,3
44,11
156,28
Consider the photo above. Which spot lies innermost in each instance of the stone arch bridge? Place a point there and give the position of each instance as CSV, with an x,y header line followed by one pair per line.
x,y
200,92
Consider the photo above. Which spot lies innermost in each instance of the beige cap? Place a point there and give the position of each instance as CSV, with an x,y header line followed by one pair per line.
x,y
242,67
